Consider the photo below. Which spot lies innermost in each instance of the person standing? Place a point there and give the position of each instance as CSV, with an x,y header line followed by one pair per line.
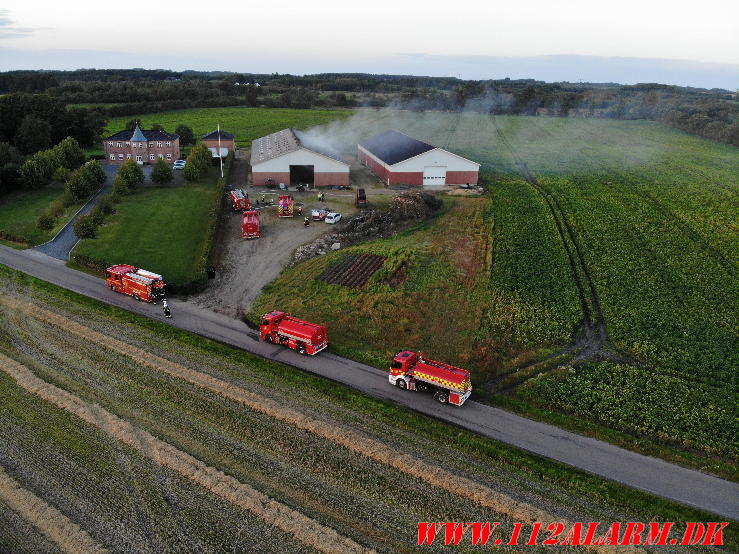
x,y
167,311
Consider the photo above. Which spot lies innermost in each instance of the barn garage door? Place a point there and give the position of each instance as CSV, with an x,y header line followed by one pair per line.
x,y
434,175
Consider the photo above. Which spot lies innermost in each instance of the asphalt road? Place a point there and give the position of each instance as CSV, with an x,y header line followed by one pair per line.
x,y
686,486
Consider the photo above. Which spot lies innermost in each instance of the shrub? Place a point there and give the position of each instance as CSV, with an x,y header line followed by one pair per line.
x,y
56,208
162,172
60,175
105,205
129,176
45,221
85,227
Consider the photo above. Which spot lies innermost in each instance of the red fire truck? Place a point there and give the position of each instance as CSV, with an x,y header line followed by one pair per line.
x,y
239,200
141,284
413,371
285,206
250,225
303,336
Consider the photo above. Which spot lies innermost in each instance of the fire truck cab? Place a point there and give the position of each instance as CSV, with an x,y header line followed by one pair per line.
x,y
412,371
141,284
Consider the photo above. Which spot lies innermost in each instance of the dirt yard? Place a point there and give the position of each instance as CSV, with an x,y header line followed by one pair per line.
x,y
246,266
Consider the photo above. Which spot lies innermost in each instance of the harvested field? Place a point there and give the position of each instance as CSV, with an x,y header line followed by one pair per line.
x,y
182,445
354,270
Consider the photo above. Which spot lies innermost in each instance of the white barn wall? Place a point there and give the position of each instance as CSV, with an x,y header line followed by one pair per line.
x,y
301,157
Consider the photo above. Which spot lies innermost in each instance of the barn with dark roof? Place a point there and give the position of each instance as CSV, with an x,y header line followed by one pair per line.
x,y
143,146
399,159
293,157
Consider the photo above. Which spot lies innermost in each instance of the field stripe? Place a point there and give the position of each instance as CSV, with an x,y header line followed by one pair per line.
x,y
349,439
239,494
65,533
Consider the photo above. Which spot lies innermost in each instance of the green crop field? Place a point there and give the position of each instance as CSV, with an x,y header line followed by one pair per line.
x,y
131,435
163,229
20,210
608,240
245,123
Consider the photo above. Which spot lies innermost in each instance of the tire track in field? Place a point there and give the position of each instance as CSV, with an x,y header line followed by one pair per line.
x,y
370,448
65,533
594,341
303,528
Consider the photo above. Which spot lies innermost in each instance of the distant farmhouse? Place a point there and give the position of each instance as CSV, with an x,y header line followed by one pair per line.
x,y
143,146
293,158
399,159
227,143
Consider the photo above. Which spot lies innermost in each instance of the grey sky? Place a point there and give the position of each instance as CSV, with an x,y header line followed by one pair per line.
x,y
354,36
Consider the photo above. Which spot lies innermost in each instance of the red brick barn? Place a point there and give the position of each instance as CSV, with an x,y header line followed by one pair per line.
x,y
143,146
293,157
227,143
399,159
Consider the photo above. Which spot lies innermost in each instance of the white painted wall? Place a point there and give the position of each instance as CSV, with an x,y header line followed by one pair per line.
x,y
321,164
436,157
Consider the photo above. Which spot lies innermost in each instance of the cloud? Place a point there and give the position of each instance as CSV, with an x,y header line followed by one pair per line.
x,y
8,29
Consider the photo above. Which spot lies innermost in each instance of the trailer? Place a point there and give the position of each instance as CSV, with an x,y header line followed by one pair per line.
x,y
141,284
413,371
250,225
239,200
285,206
298,334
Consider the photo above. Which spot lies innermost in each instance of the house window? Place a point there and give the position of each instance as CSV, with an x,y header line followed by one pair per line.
x,y
128,144
110,143
112,156
128,156
169,156
118,144
152,156
161,156
151,145
138,158
120,156
169,143
159,144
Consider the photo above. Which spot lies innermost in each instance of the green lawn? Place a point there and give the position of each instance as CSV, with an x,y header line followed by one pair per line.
x,y
246,123
19,211
160,229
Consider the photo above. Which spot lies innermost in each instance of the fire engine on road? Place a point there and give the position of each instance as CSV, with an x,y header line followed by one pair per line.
x,y
413,371
141,284
298,334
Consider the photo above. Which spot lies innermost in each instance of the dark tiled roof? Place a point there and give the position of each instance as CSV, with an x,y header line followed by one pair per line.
x,y
214,135
150,135
393,147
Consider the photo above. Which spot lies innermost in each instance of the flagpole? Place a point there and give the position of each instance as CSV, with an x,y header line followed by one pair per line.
x,y
219,148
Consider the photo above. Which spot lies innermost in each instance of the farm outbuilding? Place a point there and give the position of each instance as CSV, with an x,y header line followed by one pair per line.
x,y
293,157
399,159
219,139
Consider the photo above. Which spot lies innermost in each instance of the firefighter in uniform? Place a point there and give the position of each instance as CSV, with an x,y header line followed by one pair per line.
x,y
167,311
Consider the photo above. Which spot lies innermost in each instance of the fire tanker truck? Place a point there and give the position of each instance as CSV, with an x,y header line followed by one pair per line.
x,y
239,200
285,206
413,371
141,284
303,336
250,225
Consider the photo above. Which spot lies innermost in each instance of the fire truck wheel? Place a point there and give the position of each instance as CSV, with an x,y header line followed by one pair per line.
x,y
301,349
269,338
442,397
401,384
112,287
137,297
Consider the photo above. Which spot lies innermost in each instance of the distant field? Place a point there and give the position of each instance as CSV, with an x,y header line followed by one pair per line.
x,y
162,229
649,215
246,123
20,210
